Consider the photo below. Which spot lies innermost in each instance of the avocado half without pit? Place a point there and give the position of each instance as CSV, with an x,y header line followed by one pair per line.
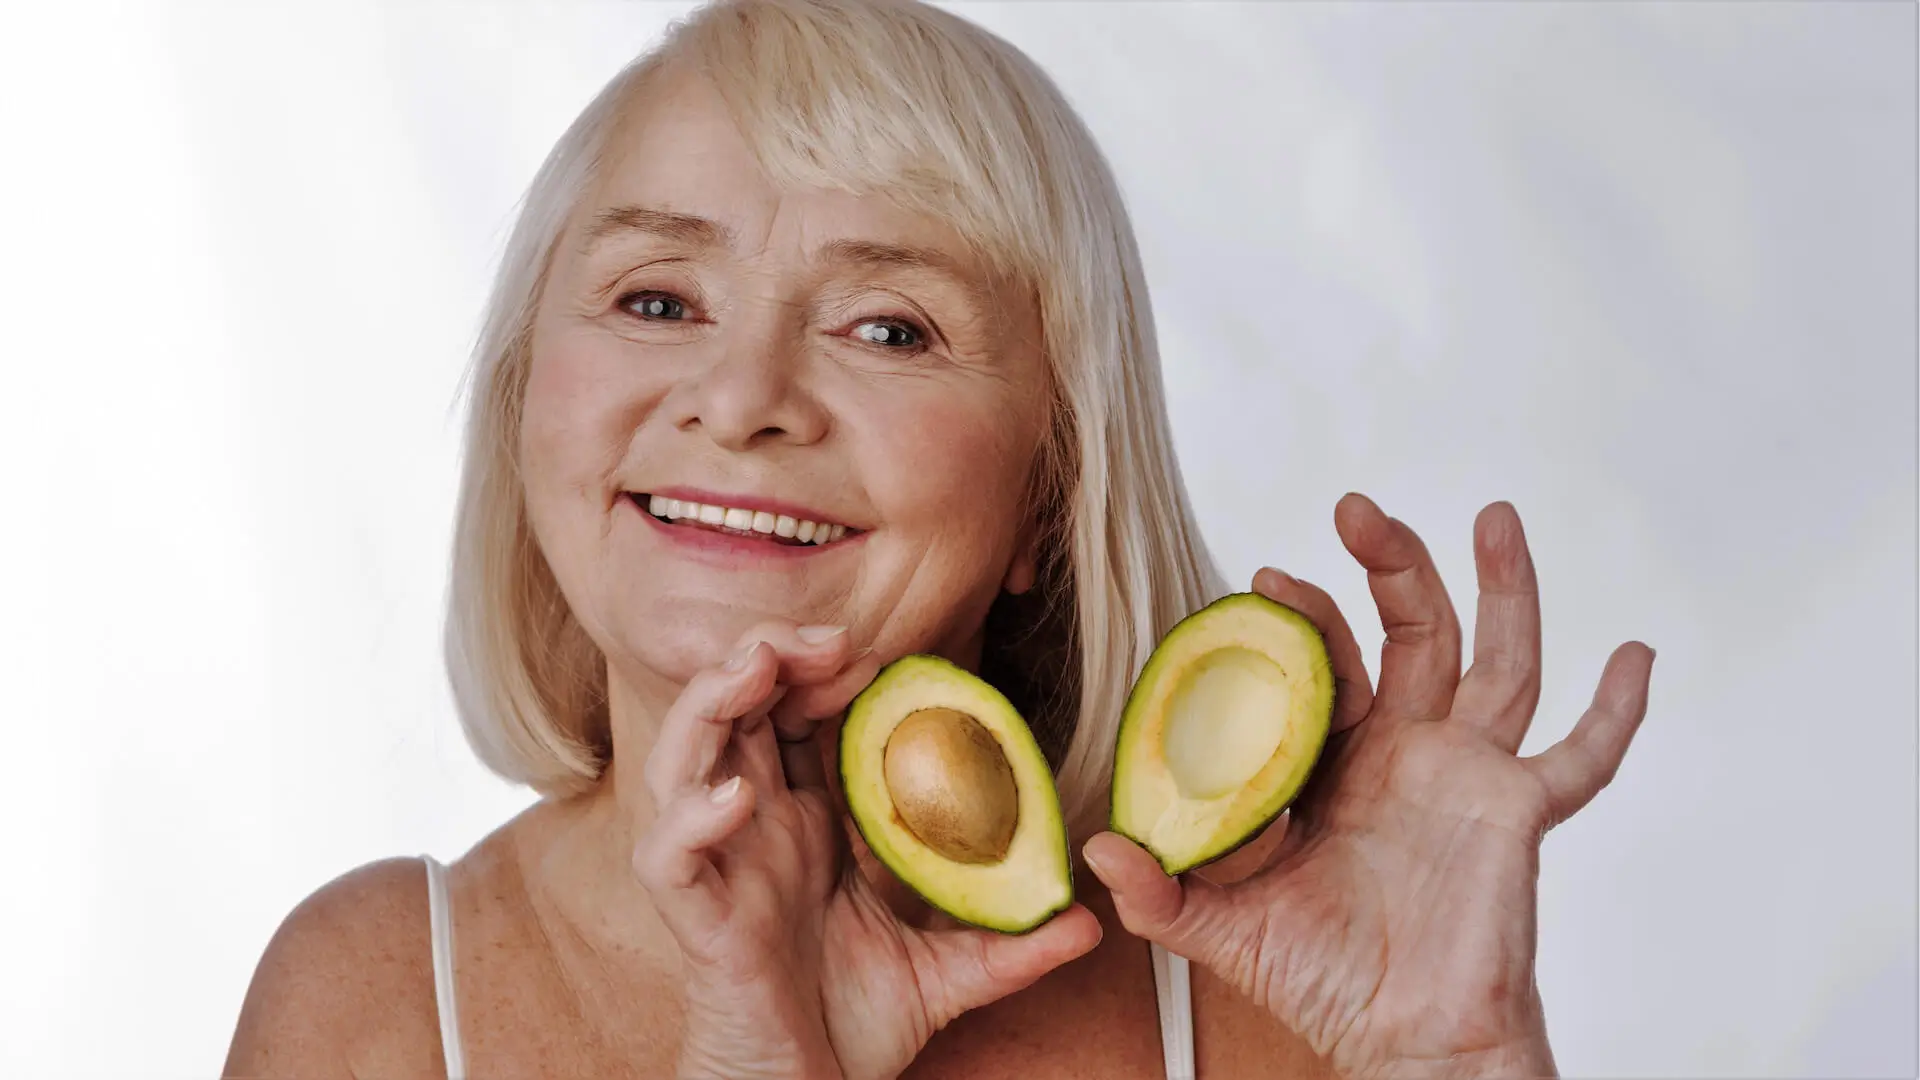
x,y
948,787
1221,729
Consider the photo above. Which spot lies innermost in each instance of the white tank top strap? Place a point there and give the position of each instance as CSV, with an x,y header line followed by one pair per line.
x,y
440,922
1174,990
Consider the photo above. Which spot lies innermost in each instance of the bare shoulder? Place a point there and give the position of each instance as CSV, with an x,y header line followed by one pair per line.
x,y
345,987
1233,1036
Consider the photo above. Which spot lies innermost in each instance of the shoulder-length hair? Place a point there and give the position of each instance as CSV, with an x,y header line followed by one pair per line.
x,y
906,101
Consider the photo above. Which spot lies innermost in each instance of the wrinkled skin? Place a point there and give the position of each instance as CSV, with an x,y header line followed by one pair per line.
x,y
1394,925
795,967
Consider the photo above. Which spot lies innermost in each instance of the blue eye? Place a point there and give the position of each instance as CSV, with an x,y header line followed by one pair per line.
x,y
655,306
893,335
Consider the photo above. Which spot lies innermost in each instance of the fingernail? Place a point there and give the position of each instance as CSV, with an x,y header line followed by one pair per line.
x,y
815,635
1093,863
861,652
725,792
739,659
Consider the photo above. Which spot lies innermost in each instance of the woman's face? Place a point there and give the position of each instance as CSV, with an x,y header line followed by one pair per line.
x,y
767,358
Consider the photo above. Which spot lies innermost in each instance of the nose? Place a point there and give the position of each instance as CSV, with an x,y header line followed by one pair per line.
x,y
751,397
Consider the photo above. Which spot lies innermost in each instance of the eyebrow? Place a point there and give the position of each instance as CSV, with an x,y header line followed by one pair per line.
x,y
701,233
883,256
892,256
688,229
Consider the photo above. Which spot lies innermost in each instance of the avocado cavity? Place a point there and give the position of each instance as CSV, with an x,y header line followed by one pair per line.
x,y
1221,730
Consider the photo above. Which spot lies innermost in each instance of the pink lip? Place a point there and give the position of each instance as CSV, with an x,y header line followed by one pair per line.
x,y
750,502
728,550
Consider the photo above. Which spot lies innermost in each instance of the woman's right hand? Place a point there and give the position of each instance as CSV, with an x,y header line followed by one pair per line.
x,y
793,967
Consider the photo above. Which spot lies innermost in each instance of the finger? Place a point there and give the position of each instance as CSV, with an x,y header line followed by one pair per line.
x,y
754,753
1294,835
1500,691
1191,918
965,969
1353,691
807,654
672,859
1578,766
1250,858
695,731
1420,663
800,711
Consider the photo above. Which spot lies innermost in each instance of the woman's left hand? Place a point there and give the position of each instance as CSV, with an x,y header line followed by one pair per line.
x,y
791,964
1394,926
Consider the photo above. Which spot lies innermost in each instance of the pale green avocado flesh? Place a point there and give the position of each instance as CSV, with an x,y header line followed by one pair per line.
x,y
1221,730
951,792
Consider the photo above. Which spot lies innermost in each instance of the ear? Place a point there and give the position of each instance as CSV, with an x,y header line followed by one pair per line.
x,y
1025,567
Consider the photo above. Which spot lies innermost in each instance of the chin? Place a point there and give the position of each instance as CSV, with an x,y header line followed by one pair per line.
x,y
677,640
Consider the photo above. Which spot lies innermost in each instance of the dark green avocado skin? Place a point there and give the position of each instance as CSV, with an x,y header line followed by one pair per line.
x,y
904,874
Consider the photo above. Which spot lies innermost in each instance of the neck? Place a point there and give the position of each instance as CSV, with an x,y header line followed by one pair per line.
x,y
581,868
577,853
635,708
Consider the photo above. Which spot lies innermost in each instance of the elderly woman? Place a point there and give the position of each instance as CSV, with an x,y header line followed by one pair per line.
x,y
821,340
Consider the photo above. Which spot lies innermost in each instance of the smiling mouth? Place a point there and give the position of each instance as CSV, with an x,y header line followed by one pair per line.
x,y
755,524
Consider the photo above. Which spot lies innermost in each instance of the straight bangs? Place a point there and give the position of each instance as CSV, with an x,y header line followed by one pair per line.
x,y
869,98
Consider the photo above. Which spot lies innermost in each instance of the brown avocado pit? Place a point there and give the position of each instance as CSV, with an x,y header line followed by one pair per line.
x,y
930,754
952,786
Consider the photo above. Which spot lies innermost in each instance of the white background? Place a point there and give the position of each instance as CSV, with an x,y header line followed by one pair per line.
x,y
1648,271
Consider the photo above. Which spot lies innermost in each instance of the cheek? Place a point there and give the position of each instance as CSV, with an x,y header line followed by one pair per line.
x,y
948,466
576,420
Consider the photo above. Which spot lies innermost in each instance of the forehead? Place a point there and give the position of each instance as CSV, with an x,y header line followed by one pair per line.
x,y
676,148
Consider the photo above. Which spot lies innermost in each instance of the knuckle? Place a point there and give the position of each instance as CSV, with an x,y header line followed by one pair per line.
x,y
673,832
649,863
1412,631
1520,665
708,695
774,632
654,773
1317,595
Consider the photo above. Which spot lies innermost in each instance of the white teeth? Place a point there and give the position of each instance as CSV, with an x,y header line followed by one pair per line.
x,y
733,517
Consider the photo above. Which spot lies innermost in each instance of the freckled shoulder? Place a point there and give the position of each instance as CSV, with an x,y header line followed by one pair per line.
x,y
345,987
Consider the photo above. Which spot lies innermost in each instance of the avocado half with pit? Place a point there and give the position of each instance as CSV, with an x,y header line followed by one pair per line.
x,y
950,790
1221,729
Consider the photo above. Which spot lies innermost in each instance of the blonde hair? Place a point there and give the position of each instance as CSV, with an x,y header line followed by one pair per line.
x,y
901,98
